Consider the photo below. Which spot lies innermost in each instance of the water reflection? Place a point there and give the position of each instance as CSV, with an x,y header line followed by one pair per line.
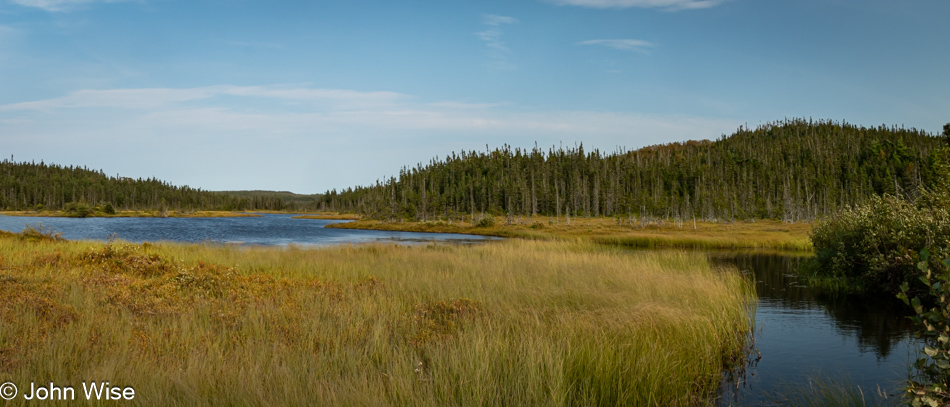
x,y
801,334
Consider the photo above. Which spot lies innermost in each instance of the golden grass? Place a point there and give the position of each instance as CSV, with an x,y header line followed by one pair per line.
x,y
762,234
329,215
506,323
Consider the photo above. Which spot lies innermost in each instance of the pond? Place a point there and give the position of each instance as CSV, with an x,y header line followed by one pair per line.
x,y
800,335
265,230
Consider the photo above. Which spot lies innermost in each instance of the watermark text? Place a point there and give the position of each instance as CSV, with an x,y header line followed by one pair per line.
x,y
52,391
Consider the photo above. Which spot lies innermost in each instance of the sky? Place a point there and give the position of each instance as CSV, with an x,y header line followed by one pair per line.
x,y
307,96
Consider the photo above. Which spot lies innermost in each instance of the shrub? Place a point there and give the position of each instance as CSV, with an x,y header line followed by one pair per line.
x,y
876,243
485,221
931,387
109,209
39,232
78,209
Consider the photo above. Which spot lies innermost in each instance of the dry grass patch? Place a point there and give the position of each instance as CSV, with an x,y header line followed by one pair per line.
x,y
506,323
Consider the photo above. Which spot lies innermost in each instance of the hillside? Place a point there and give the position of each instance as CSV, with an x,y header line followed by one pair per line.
x,y
31,186
289,198
790,170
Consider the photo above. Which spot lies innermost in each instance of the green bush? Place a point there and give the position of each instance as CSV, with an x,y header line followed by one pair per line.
x,y
875,244
485,221
78,209
39,232
931,386
109,209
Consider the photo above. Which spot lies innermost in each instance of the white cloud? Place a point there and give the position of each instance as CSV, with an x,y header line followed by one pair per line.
x,y
339,109
58,5
671,5
492,19
150,98
498,51
621,44
234,137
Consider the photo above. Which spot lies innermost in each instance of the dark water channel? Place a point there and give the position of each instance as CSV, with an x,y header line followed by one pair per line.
x,y
800,335
864,342
266,230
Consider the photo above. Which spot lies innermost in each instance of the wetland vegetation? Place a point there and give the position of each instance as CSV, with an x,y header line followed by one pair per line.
x,y
516,322
562,314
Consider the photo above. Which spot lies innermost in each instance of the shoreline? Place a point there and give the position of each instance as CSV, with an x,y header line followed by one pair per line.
x,y
180,214
761,234
132,214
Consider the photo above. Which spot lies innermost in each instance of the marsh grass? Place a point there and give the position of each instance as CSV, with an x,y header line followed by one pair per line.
x,y
762,234
840,391
505,323
329,215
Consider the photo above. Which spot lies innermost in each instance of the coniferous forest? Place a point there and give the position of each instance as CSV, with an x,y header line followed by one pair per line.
x,y
790,170
36,186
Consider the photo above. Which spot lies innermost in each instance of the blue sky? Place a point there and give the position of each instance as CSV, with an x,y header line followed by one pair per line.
x,y
311,95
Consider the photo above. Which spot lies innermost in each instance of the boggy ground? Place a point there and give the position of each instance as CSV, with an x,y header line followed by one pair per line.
x,y
761,234
517,322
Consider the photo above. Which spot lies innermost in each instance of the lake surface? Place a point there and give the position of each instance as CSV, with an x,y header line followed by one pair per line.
x,y
266,230
800,335
866,342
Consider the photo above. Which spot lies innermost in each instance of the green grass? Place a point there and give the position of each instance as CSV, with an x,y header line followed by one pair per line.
x,y
506,323
762,234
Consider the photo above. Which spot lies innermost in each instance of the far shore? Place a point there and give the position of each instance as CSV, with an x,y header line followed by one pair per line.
x,y
759,234
185,214
135,214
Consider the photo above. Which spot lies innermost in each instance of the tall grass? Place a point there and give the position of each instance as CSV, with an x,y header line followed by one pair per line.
x,y
762,234
506,323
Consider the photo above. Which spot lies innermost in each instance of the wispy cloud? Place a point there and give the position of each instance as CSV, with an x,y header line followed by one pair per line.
x,y
669,5
621,44
492,19
307,133
150,98
167,107
59,5
498,51
256,44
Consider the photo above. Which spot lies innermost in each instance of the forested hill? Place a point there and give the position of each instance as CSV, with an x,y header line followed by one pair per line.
x,y
790,170
32,186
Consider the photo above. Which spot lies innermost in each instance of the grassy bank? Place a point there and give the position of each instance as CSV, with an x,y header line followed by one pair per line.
x,y
506,323
763,234
329,215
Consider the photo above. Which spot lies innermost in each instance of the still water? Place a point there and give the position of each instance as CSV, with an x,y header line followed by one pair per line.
x,y
800,335
266,230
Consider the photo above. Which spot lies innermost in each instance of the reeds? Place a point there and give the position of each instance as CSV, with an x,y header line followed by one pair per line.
x,y
504,323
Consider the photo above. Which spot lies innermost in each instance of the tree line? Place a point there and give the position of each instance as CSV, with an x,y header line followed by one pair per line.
x,y
790,170
36,186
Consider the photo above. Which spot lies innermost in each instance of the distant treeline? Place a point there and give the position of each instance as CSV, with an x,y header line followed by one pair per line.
x,y
789,170
33,186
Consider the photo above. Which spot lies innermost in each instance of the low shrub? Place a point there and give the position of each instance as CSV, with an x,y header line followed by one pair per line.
x,y
485,221
931,386
39,232
78,209
875,244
